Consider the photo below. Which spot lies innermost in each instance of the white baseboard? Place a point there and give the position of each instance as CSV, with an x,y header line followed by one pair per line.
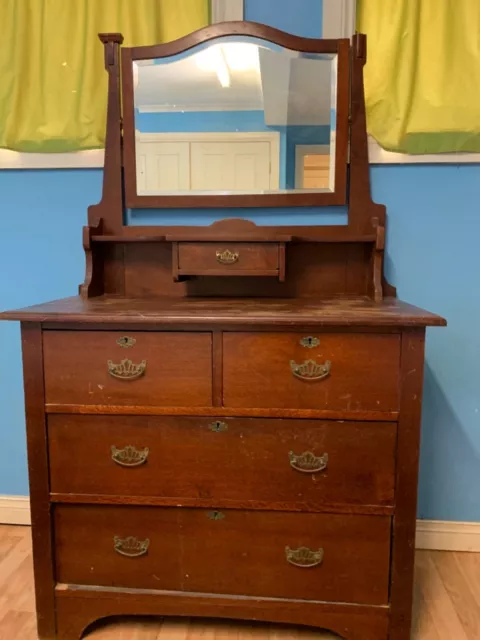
x,y
15,510
431,534
448,536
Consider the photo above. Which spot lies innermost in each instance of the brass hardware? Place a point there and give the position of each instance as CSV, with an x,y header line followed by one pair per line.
x,y
309,342
218,426
304,557
126,341
215,515
310,370
308,462
131,547
126,370
227,256
130,456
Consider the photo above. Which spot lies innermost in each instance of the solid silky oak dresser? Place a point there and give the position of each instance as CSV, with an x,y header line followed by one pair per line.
x,y
225,422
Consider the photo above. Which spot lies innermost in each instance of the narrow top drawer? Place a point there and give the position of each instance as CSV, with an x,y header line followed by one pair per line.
x,y
229,258
335,371
133,368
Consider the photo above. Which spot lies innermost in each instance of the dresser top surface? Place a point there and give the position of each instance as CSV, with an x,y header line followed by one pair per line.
x,y
244,311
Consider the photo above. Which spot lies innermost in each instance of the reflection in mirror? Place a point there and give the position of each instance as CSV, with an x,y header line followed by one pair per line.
x,y
237,116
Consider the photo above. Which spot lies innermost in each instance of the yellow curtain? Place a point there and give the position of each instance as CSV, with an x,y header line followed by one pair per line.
x,y
53,85
422,77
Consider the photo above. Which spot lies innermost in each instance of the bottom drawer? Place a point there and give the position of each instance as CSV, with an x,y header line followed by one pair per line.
x,y
338,558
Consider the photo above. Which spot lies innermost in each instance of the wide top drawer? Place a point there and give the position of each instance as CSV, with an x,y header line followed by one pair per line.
x,y
336,371
135,368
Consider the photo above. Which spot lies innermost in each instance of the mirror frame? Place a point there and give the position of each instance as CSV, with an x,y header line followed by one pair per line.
x,y
301,199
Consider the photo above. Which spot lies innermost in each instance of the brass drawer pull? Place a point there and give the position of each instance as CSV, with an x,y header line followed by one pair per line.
x,y
217,425
227,256
310,370
304,557
126,370
131,547
130,456
308,462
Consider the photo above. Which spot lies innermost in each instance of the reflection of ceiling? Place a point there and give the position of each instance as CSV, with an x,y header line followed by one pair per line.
x,y
290,90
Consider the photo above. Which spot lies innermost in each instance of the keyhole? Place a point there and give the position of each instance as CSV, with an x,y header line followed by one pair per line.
x,y
216,515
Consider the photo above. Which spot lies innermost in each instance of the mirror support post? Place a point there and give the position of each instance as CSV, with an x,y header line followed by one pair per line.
x,y
110,209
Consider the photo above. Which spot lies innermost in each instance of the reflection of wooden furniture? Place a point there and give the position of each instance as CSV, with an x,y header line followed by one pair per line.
x,y
241,447
316,171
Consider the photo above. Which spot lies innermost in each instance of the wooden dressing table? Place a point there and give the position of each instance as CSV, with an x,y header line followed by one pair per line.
x,y
225,422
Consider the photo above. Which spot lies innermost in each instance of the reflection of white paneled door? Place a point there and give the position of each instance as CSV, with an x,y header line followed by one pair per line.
x,y
207,162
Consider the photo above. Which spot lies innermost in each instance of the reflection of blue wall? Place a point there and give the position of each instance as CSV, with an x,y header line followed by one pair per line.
x,y
242,121
191,121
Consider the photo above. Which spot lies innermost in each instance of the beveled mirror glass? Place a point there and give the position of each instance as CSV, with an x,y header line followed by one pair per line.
x,y
239,115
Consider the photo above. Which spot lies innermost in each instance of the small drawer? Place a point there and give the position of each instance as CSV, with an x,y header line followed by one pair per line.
x,y
229,258
304,464
128,368
336,371
337,558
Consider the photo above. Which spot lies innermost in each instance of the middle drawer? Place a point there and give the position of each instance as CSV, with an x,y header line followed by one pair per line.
x,y
309,462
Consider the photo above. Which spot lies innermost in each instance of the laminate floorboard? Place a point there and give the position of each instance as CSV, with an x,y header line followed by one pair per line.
x,y
446,606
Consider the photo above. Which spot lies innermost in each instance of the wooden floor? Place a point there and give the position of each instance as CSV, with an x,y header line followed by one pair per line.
x,y
447,603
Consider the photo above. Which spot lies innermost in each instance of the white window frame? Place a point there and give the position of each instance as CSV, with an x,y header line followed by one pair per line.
x,y
226,10
339,22
222,11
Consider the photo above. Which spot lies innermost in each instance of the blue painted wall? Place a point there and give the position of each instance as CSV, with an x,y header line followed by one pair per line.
x,y
432,257
41,258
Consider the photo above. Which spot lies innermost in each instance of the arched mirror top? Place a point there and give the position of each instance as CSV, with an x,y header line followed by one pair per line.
x,y
236,115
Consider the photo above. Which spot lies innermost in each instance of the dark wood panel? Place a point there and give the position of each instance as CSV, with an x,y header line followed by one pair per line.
x,y
189,458
42,530
364,371
311,271
178,368
77,607
338,312
189,551
404,523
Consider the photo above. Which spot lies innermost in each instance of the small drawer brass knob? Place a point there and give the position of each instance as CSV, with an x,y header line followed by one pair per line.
x,y
310,370
227,256
303,557
131,547
126,370
129,456
308,462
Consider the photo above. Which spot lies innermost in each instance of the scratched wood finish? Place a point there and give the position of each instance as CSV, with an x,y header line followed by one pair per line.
x,y
189,551
178,368
364,371
334,312
187,459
